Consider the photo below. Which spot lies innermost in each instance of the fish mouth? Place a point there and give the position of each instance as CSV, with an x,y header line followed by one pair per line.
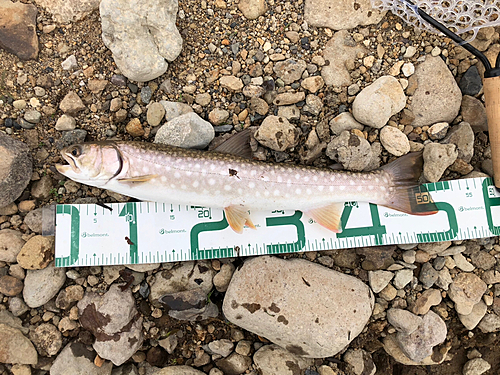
x,y
65,168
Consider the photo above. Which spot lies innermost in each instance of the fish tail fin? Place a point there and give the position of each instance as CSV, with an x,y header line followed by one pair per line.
x,y
407,195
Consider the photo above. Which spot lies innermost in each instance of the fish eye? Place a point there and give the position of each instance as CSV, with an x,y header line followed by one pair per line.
x,y
76,151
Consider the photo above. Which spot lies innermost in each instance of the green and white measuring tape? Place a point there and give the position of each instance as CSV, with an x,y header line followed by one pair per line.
x,y
149,232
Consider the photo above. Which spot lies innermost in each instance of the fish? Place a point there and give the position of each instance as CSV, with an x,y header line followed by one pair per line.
x,y
228,178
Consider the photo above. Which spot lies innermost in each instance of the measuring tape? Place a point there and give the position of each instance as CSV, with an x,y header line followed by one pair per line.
x,y
150,232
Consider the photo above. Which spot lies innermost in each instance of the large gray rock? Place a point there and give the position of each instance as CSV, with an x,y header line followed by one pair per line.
x,y
462,136
376,103
350,150
75,358
40,286
339,50
274,360
142,36
267,297
114,321
437,97
340,14
11,243
15,169
188,131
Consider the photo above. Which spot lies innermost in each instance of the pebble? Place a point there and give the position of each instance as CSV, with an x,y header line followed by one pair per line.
x,y
19,104
122,323
277,133
376,103
462,136
16,170
379,279
361,362
428,275
266,296
203,99
471,82
313,84
342,122
71,104
231,83
191,305
438,130
32,116
437,97
175,109
134,128
410,51
408,69
188,130
47,339
141,54
169,343
218,116
288,98
65,122
223,277
474,113
222,347
234,364
146,94
15,348
470,321
17,306
466,290
37,253
438,157
290,70
11,243
252,9
430,297
68,296
350,150
75,358
40,286
462,263
434,248
483,260
476,366
70,63
394,141
10,286
274,360
243,347
490,323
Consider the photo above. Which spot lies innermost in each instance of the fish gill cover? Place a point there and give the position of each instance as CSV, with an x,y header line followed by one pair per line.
x,y
460,16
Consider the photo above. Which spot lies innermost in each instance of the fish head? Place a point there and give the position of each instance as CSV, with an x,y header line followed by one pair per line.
x,y
91,163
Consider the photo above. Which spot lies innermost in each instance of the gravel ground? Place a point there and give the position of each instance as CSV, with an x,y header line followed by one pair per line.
x,y
218,41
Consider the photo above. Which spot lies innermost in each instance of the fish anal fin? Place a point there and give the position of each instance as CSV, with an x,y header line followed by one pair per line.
x,y
237,217
328,216
144,178
238,144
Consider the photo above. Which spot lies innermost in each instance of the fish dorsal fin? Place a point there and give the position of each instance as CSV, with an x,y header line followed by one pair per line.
x,y
328,216
144,178
237,217
238,144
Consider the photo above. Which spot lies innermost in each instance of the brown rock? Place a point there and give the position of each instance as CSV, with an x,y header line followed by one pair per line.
x,y
10,286
18,29
15,348
134,128
97,85
71,104
37,253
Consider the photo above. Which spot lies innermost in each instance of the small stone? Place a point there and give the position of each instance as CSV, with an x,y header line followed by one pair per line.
x,y
218,116
47,339
231,83
76,358
288,98
462,136
438,157
252,9
10,286
476,366
17,306
430,297
70,63
169,343
19,104
361,362
376,103
388,293
96,86
68,296
490,323
37,253
351,150
115,104
222,347
462,263
277,133
290,70
243,347
466,290
344,121
15,347
474,113
32,116
65,122
203,99
71,104
408,69
223,277
394,141
40,286
274,360
471,320
11,243
403,320
188,130
471,83
379,279
313,84
438,131
483,260
146,94
134,128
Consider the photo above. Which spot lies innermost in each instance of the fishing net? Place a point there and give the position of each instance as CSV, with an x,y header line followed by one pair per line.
x,y
460,16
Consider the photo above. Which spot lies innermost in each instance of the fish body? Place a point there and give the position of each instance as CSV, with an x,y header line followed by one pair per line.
x,y
168,174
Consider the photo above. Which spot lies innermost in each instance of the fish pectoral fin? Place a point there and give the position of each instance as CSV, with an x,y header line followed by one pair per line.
x,y
328,216
237,217
144,178
238,144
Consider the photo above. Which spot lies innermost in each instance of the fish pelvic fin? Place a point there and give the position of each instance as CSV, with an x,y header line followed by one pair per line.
x,y
328,216
408,196
237,217
144,178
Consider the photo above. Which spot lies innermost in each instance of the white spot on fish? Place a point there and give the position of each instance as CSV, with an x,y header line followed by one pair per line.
x,y
177,175
320,188
276,193
306,179
196,184
251,185
172,186
377,180
197,166
382,188
315,178
342,187
280,179
163,179
145,169
266,193
359,188
298,191
211,181
189,173
288,183
287,195
352,183
370,187
253,173
183,187
308,191
257,194
227,187
240,191
212,167
297,176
